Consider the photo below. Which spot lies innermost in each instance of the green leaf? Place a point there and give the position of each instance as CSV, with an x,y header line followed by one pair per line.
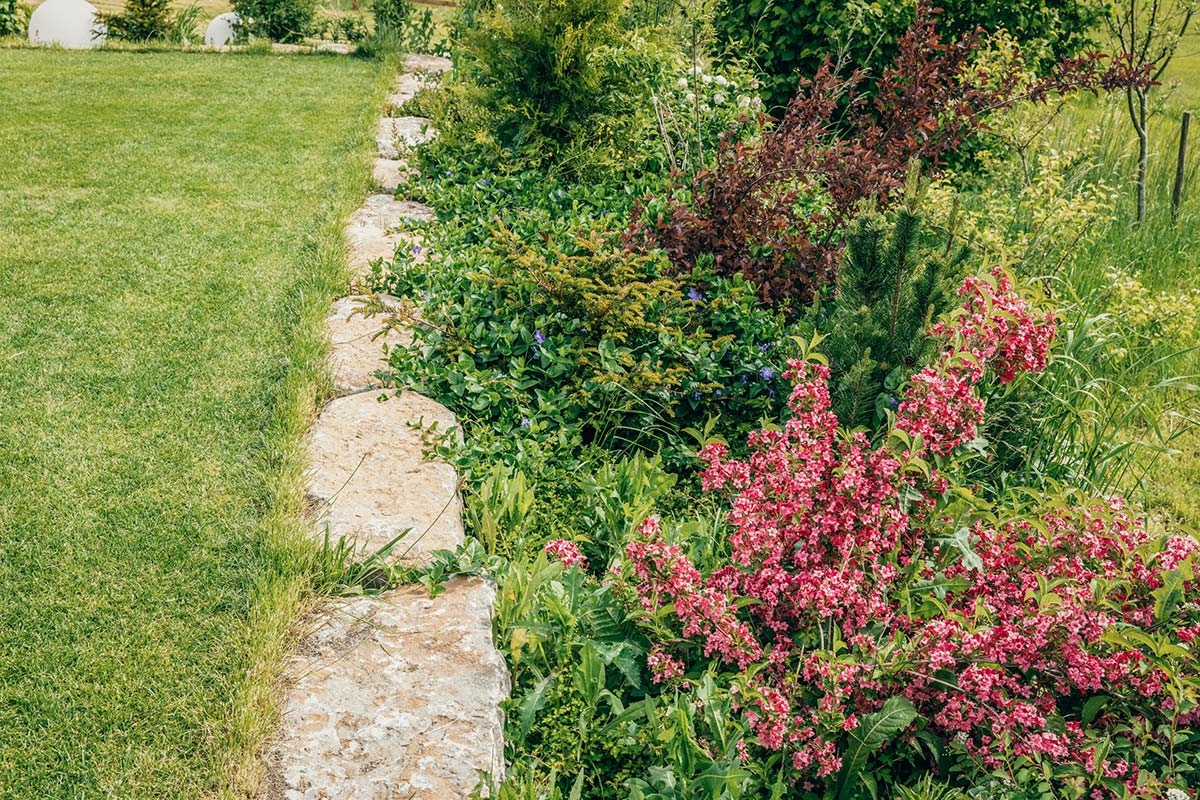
x,y
533,702
873,730
1092,707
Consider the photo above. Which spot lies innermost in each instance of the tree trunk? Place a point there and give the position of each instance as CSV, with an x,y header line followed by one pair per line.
x,y
1143,154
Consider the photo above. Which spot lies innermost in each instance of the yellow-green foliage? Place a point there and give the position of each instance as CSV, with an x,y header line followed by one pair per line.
x,y
1171,316
1042,211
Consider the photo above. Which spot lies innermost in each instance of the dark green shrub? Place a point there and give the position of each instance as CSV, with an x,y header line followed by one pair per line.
x,y
400,28
277,20
14,18
582,343
392,15
140,21
890,289
538,61
346,28
790,38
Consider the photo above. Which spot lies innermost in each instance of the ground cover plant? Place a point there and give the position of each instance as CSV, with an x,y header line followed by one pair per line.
x,y
166,270
861,475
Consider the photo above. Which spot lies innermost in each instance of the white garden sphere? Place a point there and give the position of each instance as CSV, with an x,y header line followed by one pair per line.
x,y
68,23
221,30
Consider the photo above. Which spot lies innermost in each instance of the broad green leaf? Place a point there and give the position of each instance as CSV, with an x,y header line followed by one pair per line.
x,y
872,731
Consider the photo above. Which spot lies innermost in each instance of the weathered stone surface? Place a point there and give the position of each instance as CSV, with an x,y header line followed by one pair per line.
x,y
416,62
72,24
398,135
371,231
407,86
344,48
384,212
390,174
370,482
358,344
395,696
281,47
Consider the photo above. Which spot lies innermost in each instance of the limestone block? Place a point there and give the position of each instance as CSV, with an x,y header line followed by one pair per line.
x,y
67,23
371,231
394,696
398,135
390,174
407,86
416,62
369,481
358,344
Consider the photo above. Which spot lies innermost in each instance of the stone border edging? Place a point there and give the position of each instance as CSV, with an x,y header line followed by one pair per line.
x,y
395,695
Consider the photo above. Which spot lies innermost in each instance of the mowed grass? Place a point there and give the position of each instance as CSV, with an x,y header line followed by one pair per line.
x,y
169,239
210,8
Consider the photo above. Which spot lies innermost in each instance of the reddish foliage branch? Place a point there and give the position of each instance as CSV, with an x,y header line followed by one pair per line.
x,y
775,209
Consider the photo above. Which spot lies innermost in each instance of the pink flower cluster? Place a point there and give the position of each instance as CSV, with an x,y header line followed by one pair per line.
x,y
566,552
994,329
836,539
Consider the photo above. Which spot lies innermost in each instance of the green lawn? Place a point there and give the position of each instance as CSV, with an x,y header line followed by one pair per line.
x,y
210,8
169,242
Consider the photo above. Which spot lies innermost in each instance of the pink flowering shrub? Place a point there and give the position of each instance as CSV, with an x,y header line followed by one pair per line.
x,y
1050,635
566,552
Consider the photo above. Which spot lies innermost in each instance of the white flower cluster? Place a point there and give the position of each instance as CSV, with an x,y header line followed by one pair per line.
x,y
714,91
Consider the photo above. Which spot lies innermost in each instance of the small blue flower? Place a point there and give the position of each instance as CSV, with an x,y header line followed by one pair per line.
x,y
696,397
416,249
743,378
525,423
718,393
539,337
449,174
766,373
695,295
893,403
485,182
764,347
771,393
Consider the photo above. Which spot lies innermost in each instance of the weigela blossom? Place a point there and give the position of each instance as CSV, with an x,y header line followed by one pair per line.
x,y
566,552
836,539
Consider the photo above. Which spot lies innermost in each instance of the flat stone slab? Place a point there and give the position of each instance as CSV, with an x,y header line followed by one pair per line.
x,y
369,481
419,62
394,696
390,174
384,212
371,231
397,135
358,344
407,86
